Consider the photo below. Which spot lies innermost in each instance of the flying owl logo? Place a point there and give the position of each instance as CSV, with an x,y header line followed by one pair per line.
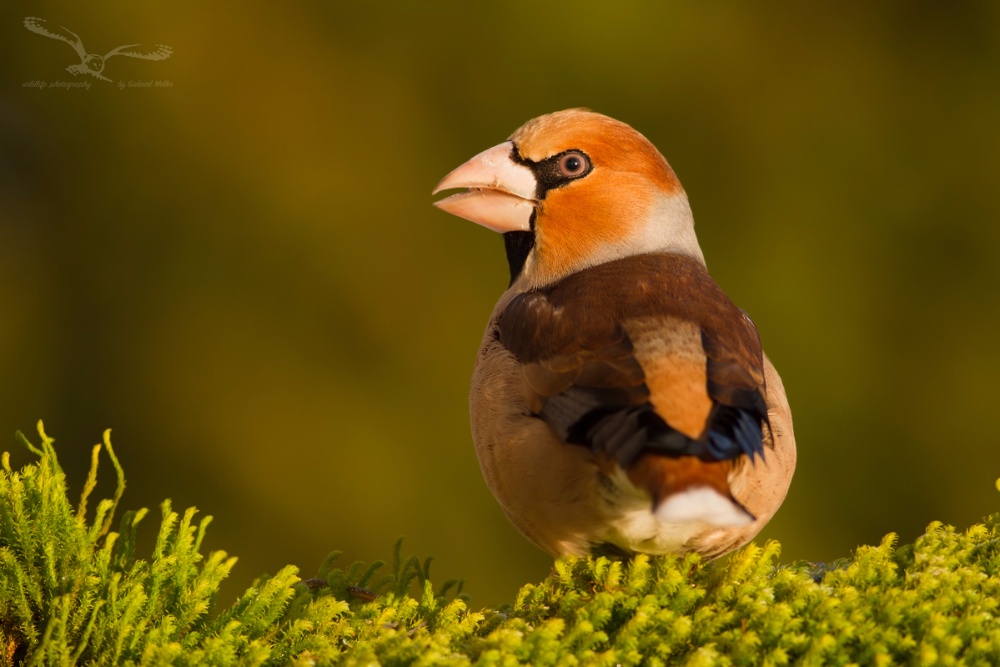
x,y
93,63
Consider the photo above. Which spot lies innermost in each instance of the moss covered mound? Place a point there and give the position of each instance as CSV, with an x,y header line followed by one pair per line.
x,y
72,591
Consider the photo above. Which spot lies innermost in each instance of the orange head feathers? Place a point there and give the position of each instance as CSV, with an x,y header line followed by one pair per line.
x,y
589,188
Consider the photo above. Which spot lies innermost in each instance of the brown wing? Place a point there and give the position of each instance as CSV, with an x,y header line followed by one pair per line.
x,y
40,26
592,347
158,52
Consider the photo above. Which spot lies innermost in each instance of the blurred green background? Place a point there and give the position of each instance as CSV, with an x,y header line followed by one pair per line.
x,y
242,275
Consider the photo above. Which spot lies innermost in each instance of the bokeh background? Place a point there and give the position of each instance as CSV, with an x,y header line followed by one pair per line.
x,y
241,273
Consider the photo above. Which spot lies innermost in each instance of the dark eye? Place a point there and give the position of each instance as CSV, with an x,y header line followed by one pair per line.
x,y
573,164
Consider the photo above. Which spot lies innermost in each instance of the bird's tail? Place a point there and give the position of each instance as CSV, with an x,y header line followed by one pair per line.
x,y
686,489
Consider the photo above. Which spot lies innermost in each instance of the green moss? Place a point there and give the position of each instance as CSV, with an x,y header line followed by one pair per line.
x,y
74,592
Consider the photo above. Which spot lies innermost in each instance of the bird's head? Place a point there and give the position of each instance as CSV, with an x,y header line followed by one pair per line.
x,y
570,190
94,63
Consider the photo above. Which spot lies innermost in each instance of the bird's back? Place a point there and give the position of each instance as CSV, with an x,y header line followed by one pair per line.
x,y
641,373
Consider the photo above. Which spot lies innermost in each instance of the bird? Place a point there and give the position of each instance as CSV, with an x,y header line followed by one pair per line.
x,y
92,63
620,402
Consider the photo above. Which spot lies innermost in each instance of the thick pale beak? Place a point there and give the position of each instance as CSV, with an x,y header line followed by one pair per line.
x,y
500,192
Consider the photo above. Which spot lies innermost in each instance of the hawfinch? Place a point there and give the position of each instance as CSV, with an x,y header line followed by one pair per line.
x,y
620,401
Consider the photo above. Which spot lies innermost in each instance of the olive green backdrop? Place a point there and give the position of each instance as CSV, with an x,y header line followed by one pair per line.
x,y
241,273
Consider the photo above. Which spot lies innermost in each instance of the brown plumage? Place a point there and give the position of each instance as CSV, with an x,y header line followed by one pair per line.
x,y
645,349
619,396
